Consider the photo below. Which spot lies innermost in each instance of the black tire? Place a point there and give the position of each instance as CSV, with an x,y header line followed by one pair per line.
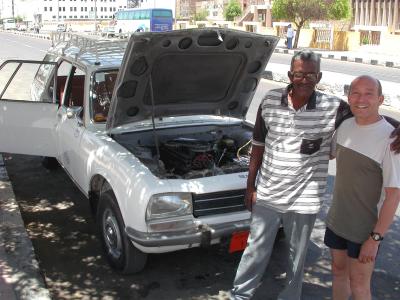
x,y
50,163
122,255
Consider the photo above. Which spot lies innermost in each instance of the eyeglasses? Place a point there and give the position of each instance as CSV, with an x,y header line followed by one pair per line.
x,y
301,75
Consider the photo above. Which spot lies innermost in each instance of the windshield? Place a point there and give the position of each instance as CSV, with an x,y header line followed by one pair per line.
x,y
101,93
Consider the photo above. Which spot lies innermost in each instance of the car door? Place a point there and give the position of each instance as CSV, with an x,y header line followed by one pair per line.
x,y
27,125
70,128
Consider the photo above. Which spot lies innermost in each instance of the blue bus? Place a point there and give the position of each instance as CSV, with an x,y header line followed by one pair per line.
x,y
141,19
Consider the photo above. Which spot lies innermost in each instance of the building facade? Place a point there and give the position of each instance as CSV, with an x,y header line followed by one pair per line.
x,y
376,13
185,9
59,10
214,9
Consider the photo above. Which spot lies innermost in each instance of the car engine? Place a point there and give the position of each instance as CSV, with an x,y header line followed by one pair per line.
x,y
195,155
190,158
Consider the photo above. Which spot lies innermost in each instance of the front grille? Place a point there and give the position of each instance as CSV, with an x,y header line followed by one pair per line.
x,y
218,203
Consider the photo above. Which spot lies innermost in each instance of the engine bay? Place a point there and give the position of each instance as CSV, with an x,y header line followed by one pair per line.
x,y
201,153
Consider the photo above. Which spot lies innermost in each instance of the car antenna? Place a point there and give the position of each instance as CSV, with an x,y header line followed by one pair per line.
x,y
153,122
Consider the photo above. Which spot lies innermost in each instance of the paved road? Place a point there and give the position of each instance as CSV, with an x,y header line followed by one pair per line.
x,y
22,47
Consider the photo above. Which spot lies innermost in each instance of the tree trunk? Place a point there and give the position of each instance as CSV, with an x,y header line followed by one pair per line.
x,y
298,28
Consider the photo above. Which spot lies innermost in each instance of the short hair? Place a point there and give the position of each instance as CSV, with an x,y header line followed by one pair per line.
x,y
378,83
306,55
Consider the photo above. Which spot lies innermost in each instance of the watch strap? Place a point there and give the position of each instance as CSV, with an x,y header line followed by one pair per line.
x,y
376,236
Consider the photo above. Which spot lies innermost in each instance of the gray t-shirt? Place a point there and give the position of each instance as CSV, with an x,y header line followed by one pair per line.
x,y
364,166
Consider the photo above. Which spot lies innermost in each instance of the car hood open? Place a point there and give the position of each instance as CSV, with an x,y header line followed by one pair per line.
x,y
189,72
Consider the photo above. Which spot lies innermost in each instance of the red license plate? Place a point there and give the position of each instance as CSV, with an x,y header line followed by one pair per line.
x,y
238,241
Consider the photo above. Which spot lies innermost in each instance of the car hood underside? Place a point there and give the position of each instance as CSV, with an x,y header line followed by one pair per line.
x,y
189,72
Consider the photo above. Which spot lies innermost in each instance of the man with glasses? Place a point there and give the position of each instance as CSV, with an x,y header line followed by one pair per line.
x,y
290,155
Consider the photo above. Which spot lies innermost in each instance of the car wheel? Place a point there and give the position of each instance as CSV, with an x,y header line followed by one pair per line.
x,y
122,255
50,163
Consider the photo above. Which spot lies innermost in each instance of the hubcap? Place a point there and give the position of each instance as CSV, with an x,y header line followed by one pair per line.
x,y
111,233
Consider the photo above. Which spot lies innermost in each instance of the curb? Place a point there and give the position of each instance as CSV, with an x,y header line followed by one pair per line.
x,y
20,277
375,62
44,36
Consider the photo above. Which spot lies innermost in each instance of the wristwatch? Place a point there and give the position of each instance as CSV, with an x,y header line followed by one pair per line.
x,y
376,236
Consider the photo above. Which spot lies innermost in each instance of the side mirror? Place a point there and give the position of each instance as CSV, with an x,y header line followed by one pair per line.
x,y
73,112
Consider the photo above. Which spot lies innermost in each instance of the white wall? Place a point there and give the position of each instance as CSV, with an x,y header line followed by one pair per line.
x,y
27,8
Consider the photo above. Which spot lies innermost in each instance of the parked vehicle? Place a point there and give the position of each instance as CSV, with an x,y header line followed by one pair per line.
x,y
143,19
22,27
108,31
152,131
61,27
9,24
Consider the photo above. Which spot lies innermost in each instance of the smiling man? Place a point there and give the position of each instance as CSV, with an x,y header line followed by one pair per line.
x,y
361,214
290,155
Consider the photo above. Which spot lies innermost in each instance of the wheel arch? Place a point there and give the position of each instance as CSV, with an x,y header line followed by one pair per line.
x,y
98,184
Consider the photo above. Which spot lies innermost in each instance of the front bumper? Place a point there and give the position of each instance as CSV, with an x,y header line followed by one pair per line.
x,y
202,234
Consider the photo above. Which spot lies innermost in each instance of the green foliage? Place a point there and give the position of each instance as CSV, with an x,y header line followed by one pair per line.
x,y
232,10
305,10
18,19
301,11
201,15
279,10
339,9
298,10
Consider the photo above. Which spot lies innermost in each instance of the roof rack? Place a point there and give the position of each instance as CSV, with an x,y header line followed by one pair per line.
x,y
87,43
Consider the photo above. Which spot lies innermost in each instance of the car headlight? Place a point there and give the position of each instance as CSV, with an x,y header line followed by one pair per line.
x,y
169,205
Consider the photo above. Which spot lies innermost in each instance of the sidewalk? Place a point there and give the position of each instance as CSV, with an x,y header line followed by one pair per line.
x,y
20,277
367,54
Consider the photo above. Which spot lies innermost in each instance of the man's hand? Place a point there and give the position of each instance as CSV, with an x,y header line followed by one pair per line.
x,y
250,198
395,145
368,251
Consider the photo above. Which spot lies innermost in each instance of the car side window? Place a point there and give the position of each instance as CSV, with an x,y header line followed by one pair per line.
x,y
41,89
102,88
19,80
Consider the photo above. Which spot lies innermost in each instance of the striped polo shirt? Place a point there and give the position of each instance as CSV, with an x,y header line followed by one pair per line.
x,y
294,170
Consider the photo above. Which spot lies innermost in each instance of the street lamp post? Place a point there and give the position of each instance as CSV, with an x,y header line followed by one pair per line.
x,y
95,15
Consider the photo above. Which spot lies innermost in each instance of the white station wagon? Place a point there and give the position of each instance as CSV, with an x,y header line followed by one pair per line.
x,y
152,130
